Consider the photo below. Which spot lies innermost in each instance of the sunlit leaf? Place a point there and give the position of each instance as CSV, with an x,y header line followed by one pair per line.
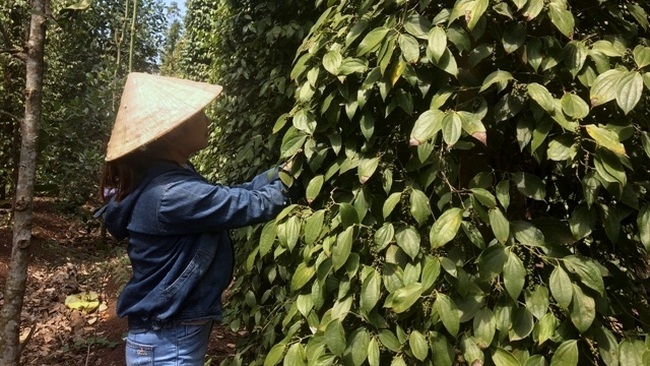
x,y
448,313
373,352
501,357
582,309
574,106
372,40
332,61
82,5
566,354
588,272
537,301
452,127
87,301
343,247
384,235
562,148
357,349
403,298
409,240
275,354
495,77
474,12
409,47
426,126
419,345
446,227
366,169
606,138
352,65
442,352
472,353
628,90
447,63
536,360
632,353
542,96
561,287
604,88
419,206
335,337
301,276
370,290
514,275
533,8
641,56
561,17
267,238
390,203
292,142
485,197
500,225
417,25
389,340
484,325
437,43
313,187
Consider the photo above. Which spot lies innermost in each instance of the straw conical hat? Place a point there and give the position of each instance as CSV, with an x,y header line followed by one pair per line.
x,y
153,105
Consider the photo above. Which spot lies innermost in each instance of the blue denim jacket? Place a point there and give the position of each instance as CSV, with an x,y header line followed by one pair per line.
x,y
179,248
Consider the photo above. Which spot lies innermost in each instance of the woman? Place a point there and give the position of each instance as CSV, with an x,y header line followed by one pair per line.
x,y
175,221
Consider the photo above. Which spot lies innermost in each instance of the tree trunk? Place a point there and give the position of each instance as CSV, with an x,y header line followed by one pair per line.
x,y
24,195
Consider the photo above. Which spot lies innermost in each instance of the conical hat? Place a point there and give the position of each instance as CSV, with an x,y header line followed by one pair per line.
x,y
153,105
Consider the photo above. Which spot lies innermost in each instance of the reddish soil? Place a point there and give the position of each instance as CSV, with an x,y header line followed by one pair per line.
x,y
69,256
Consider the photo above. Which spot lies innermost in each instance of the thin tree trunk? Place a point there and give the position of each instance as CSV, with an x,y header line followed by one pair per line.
x,y
24,195
131,43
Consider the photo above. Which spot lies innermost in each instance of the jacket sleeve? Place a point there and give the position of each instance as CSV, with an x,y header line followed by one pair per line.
x,y
260,180
195,206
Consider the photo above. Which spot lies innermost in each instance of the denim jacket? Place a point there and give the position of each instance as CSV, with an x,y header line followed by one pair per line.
x,y
182,258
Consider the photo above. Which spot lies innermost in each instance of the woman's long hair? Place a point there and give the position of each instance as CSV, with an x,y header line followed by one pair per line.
x,y
121,176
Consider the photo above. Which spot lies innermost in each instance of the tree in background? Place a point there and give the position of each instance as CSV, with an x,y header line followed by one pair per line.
x,y
85,63
24,194
174,35
13,25
87,58
476,189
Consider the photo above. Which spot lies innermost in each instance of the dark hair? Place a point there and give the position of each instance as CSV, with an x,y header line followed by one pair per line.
x,y
122,175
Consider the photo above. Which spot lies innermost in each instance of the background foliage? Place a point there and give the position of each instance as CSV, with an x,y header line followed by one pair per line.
x,y
86,60
476,189
13,16
248,47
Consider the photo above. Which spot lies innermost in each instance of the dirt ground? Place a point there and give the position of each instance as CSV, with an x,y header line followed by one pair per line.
x,y
68,257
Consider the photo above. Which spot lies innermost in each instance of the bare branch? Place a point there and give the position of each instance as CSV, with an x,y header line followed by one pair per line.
x,y
20,54
15,52
10,115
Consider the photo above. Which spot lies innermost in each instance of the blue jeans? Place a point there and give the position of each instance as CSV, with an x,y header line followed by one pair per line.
x,y
185,343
